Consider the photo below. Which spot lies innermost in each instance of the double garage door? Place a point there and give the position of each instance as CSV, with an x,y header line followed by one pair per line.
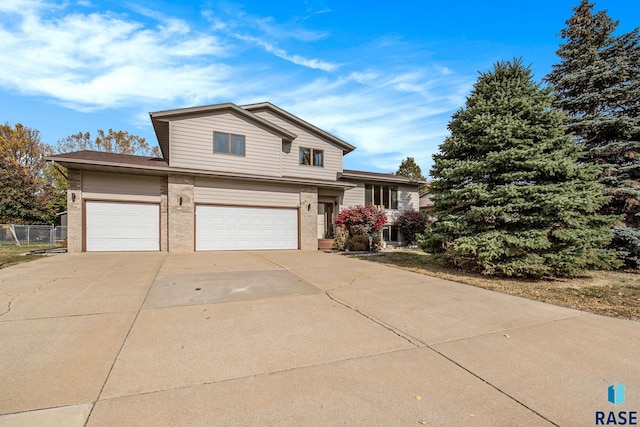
x,y
245,228
114,226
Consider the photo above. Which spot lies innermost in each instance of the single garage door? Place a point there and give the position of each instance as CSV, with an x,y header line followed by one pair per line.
x,y
245,228
122,226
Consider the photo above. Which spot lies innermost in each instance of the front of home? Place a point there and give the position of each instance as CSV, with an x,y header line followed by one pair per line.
x,y
231,177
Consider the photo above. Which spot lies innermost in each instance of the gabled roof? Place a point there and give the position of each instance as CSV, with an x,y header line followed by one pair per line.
x,y
346,147
161,119
379,177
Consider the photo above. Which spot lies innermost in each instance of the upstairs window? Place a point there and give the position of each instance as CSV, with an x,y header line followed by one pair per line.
x,y
383,196
228,143
311,157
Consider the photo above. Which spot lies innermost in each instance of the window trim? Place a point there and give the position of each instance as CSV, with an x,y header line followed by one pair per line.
x,y
229,145
313,152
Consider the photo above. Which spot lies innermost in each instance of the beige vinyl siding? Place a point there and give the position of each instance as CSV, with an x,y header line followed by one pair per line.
x,y
192,145
353,196
291,160
226,192
109,186
408,198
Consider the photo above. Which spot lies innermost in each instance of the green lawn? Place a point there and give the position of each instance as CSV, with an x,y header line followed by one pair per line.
x,y
11,254
611,293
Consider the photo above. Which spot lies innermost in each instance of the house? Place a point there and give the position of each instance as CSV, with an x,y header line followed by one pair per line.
x,y
426,203
230,178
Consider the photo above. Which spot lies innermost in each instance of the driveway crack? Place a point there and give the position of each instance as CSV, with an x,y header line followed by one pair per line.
x,y
498,389
419,344
9,304
413,341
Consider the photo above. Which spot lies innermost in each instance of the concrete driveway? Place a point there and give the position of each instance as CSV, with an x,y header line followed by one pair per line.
x,y
293,338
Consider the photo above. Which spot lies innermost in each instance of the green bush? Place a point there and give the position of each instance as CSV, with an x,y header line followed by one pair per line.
x,y
341,238
359,243
626,241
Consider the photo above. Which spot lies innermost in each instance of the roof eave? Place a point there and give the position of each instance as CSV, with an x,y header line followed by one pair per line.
x,y
166,170
381,178
346,147
167,115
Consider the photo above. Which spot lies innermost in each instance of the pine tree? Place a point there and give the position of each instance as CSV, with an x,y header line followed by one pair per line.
x,y
409,168
597,83
510,196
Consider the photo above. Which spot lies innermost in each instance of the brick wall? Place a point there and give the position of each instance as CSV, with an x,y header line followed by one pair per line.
x,y
180,217
74,211
309,218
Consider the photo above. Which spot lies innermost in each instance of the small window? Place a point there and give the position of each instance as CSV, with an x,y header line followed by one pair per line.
x,y
310,157
377,190
368,194
394,198
228,143
390,233
305,156
381,195
237,145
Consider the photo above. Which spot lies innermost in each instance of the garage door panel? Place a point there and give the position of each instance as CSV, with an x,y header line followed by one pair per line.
x,y
245,228
122,226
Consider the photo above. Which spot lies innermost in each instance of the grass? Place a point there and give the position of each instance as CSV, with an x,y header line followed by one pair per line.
x,y
610,293
12,255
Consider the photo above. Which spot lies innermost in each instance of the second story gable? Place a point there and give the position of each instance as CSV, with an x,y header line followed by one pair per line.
x,y
257,139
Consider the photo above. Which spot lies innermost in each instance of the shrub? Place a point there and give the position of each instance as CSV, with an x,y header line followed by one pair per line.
x,y
422,242
358,243
359,223
626,240
362,220
411,223
361,243
341,238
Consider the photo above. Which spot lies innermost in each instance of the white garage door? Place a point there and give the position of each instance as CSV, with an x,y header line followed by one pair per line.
x,y
122,226
243,228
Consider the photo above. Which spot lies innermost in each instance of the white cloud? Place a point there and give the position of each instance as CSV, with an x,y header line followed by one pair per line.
x,y
376,114
17,6
296,59
91,61
102,60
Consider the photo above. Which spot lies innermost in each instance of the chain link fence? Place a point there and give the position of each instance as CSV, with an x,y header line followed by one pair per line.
x,y
24,235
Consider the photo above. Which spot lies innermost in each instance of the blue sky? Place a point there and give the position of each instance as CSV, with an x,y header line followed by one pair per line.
x,y
384,76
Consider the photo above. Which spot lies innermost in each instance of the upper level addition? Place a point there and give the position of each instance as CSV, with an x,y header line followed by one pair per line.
x,y
256,139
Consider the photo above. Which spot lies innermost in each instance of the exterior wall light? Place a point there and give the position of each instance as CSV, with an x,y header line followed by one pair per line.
x,y
180,200
73,197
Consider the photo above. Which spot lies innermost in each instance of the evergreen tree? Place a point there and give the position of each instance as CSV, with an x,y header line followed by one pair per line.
x,y
597,83
510,196
409,168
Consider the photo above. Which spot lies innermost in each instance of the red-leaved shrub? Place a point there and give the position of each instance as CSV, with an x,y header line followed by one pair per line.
x,y
411,223
362,220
